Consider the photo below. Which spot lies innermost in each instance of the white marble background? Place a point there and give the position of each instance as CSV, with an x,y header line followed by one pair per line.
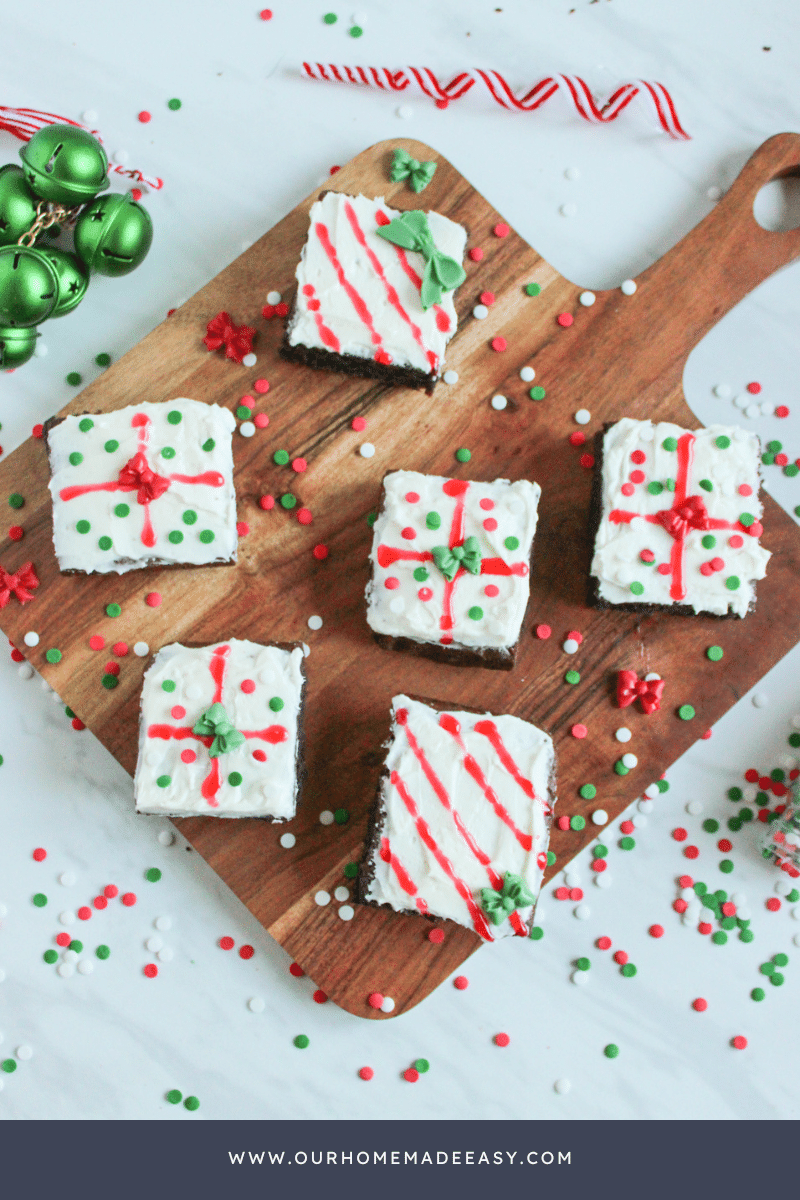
x,y
251,139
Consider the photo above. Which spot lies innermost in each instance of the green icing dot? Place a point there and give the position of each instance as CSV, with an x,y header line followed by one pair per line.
x,y
17,501
105,542
152,874
192,1103
301,1041
189,517
511,543
723,441
102,952
537,933
341,816
655,488
577,822
175,536
732,583
670,443
420,574
174,417
276,704
76,458
588,791
463,454
40,900
122,510
174,1096
53,655
281,457
537,393
288,500
206,535
433,520
637,588
709,541
686,712
163,781
168,452
706,485
533,289
168,685
86,424
611,1051
113,610
209,444
50,956
572,677
715,653
475,613
111,445
83,527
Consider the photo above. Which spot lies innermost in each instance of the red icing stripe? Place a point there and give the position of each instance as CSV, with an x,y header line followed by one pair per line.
x,y
451,725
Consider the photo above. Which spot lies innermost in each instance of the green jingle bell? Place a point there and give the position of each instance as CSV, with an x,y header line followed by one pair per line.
x,y
17,204
65,164
16,346
113,234
73,279
28,286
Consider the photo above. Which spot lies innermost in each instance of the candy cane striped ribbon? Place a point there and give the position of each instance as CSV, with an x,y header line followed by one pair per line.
x,y
25,122
424,79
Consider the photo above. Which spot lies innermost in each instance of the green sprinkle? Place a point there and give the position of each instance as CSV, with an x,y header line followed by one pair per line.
x,y
726,866
152,874
73,379
670,443
276,704
475,613
168,685
288,500
244,413
9,1066
611,1051
301,1041
577,822
103,359
168,452
341,816
620,768
76,945
206,535
15,500
463,454
111,446
420,574
637,588
572,677
50,956
706,485
105,542
537,933
588,791
174,1096
583,964
351,870
174,417
83,527
715,653
757,994
330,18
732,583
86,424
281,457
551,858
629,970
208,444
710,825
122,510
102,952
746,935
355,31
746,519
709,541
113,610
655,488
174,104
627,843
735,793
235,779
777,979
175,536
192,1103
109,682
164,781
433,520
686,712
533,289
723,441
511,543
422,1065
53,655
76,458
537,393
40,899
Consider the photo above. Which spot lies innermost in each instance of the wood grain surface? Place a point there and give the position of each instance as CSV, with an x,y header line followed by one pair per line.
x,y
622,357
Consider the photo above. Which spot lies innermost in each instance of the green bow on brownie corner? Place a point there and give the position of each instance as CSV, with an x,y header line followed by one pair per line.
x,y
418,174
499,905
411,231
216,723
467,555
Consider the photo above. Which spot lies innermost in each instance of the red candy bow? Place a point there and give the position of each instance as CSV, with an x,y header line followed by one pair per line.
x,y
647,691
136,474
237,339
21,584
692,514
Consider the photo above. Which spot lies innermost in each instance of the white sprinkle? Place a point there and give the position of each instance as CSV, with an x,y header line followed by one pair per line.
x,y
582,912
583,416
166,837
65,970
249,360
31,638
121,156
760,699
645,806
498,402
603,881
85,966
752,410
527,374
630,761
322,898
41,351
23,1053
714,192
405,111
141,649
480,311
652,791
694,808
568,210
66,878
366,450
723,390
587,299
166,955
314,622
25,671
388,1004
89,115
287,840
163,923
570,646
326,817
450,377
580,978
623,734
599,817
783,887
767,409
154,943
741,401
67,918
347,912
255,1004
628,287
341,894
273,297
562,1086
247,429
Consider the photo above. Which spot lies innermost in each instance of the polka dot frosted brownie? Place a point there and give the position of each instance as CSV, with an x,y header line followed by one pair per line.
x,y
462,819
147,485
220,732
450,567
678,518
375,291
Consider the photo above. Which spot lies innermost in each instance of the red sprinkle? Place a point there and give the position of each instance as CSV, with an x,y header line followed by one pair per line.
x,y
754,388
499,344
543,632
375,999
411,1075
151,970
359,424
366,1073
267,503
680,834
579,731
153,599
296,970
603,943
501,1039
501,229
739,1042
144,116
621,957
39,854
436,936
773,904
565,319
320,997
129,899
84,912
320,551
246,951
656,931
699,1005
476,254
461,982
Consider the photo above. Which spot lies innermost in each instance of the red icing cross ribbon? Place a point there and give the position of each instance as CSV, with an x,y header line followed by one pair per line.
x,y
21,584
237,339
423,79
25,122
647,691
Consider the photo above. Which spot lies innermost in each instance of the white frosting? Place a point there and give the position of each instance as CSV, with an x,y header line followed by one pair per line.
x,y
435,890
617,563
384,288
213,507
415,607
268,767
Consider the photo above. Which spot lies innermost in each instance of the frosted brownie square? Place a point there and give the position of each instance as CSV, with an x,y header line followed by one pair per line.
x,y
450,567
147,485
462,819
678,518
375,291
220,732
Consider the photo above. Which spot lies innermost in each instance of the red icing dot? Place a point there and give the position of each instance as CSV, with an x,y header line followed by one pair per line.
x,y
735,541
16,532
656,931
242,528
638,457
259,756
476,254
603,943
366,1073
299,465
63,939
565,319
391,583
754,388
579,731
587,461
501,229
39,854
499,344
261,420
637,476
246,951
178,711
543,632
296,970
375,999
320,551
151,970
699,1005
621,957
411,1075
627,489
461,982
129,899
490,524
188,756
359,424
408,533
680,834
261,386
487,298
491,590
501,1039
691,852
110,891
412,497
319,997
739,1042
577,437
425,593
773,904
226,943
96,642
267,503
248,686
436,936
153,599
120,649
84,912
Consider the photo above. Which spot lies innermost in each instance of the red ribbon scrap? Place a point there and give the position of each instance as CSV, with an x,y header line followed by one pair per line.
x,y
647,691
237,339
21,584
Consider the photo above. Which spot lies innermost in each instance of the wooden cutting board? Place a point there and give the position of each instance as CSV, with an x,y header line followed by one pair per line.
x,y
624,356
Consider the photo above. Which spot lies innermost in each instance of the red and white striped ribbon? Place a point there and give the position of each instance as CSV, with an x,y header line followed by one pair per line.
x,y
25,122
425,80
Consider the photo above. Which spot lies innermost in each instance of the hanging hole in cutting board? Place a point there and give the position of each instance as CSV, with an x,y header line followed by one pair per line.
x,y
777,205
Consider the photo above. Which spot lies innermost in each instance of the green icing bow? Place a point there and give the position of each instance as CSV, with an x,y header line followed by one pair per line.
x,y
418,174
217,722
467,555
499,905
411,232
